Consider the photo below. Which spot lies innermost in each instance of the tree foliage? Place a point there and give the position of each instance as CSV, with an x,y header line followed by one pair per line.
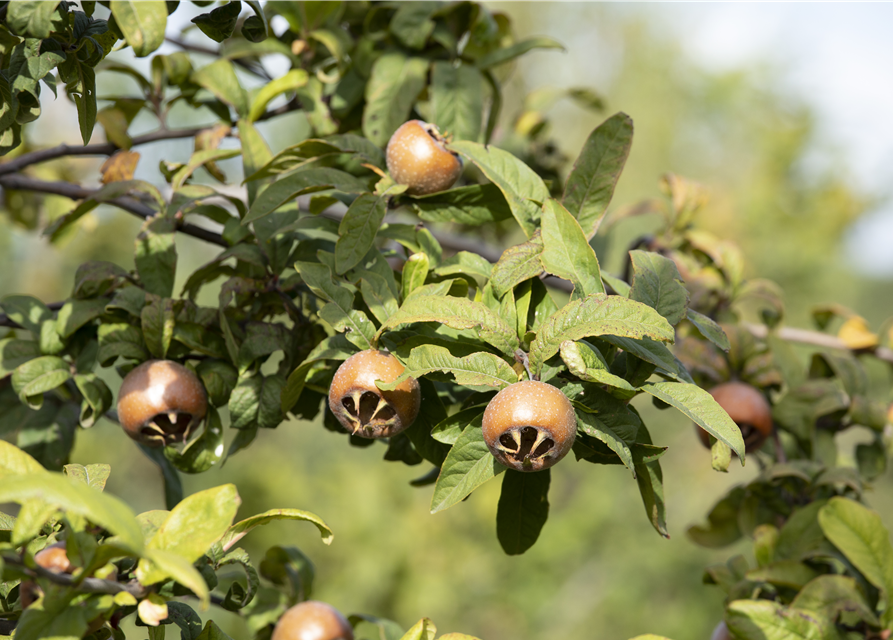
x,y
313,267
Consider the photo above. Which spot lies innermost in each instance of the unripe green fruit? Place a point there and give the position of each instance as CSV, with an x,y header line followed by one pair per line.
x,y
529,426
417,157
312,620
364,409
749,409
161,402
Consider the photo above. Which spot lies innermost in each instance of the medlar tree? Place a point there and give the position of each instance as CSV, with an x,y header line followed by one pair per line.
x,y
331,307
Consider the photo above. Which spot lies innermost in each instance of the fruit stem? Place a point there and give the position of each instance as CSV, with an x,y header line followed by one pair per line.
x,y
521,357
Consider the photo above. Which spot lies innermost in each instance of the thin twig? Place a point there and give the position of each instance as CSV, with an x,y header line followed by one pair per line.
x,y
815,338
77,192
86,585
108,148
256,70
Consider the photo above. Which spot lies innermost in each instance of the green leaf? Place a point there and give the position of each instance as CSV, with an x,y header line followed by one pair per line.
x,y
173,487
506,54
26,311
448,430
479,371
415,272
763,619
31,17
566,251
468,465
302,182
190,529
78,499
412,24
860,535
657,283
523,509
378,295
294,79
424,629
97,398
392,90
591,182
122,340
700,406
831,595
614,425
654,352
784,573
15,462
709,329
517,264
165,564
474,267
722,527
199,159
220,78
472,205
76,313
220,22
212,631
15,352
93,475
586,362
158,325
458,313
204,451
650,479
457,99
240,529
156,256
142,23
35,377
358,229
523,189
597,315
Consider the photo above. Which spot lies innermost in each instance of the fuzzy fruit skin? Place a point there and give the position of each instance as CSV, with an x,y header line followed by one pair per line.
x,y
721,632
750,410
382,413
416,157
529,404
153,391
312,620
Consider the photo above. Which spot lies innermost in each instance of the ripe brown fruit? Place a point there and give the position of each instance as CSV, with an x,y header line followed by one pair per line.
x,y
312,620
364,409
750,410
161,402
529,426
416,157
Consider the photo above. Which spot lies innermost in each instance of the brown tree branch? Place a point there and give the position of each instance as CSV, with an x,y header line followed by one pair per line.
x,y
108,148
131,205
86,585
817,339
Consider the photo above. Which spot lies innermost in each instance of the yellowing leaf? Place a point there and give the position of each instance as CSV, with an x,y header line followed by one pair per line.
x,y
120,166
153,610
855,334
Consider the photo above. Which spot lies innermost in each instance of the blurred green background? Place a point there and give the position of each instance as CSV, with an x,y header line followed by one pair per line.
x,y
598,570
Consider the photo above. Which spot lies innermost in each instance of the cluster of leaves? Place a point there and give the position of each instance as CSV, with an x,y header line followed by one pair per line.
x,y
124,563
312,272
822,560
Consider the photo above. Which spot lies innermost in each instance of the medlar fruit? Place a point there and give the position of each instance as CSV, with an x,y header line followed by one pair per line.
x,y
364,409
312,620
161,402
416,157
750,410
529,426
